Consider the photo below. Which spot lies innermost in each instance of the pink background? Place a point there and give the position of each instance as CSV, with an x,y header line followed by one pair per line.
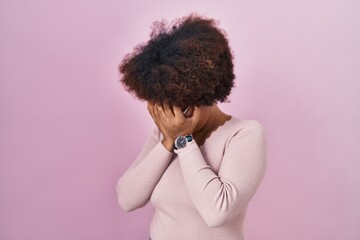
x,y
68,130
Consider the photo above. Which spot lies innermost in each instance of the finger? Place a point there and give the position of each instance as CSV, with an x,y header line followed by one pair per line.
x,y
168,110
150,107
178,113
159,111
156,108
162,119
158,116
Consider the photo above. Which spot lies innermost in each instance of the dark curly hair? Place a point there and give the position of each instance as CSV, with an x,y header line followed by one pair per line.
x,y
187,62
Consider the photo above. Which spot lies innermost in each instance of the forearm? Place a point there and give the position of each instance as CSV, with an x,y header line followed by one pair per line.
x,y
220,196
135,186
213,197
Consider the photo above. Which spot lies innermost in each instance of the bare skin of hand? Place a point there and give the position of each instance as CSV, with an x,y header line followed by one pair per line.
x,y
171,122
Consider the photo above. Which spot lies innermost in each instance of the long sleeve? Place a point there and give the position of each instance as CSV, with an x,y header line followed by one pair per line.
x,y
219,198
135,186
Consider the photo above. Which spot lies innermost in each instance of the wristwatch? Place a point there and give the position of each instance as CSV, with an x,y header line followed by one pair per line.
x,y
182,141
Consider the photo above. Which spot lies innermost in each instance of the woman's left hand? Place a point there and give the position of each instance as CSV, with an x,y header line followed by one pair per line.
x,y
172,122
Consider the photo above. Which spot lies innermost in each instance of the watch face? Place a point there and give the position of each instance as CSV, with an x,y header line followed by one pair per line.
x,y
181,142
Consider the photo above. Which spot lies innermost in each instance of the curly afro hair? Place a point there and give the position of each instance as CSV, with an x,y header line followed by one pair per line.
x,y
185,63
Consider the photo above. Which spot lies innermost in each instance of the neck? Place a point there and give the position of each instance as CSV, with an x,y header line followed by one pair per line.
x,y
215,119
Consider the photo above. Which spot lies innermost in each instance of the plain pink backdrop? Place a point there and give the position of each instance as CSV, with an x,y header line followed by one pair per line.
x,y
68,130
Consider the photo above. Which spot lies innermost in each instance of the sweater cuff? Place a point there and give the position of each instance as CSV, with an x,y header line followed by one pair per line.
x,y
162,150
191,157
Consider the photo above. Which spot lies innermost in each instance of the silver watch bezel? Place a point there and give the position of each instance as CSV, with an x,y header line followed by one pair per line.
x,y
186,140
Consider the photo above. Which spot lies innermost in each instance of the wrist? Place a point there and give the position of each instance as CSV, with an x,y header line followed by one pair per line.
x,y
168,144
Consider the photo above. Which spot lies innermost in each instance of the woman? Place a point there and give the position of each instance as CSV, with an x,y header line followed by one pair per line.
x,y
199,167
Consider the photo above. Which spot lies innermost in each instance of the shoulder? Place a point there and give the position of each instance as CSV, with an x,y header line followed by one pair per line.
x,y
238,125
245,129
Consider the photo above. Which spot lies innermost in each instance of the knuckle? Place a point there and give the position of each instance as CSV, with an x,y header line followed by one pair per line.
x,y
178,122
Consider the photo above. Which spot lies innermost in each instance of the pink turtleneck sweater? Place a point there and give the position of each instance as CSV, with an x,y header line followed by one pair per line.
x,y
198,192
